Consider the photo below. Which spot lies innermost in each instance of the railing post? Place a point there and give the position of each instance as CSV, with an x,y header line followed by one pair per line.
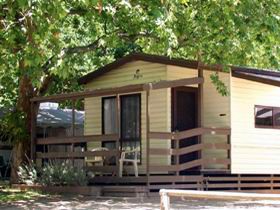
x,y
118,146
73,127
200,108
33,132
229,151
164,200
147,139
177,156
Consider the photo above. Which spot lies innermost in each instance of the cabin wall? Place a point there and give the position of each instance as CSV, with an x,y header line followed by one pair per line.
x,y
253,150
125,75
216,108
216,113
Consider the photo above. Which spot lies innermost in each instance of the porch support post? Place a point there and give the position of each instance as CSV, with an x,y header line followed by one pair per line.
x,y
73,127
118,148
147,139
200,107
73,117
33,132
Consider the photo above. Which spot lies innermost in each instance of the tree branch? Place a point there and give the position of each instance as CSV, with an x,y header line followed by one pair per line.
x,y
68,51
81,49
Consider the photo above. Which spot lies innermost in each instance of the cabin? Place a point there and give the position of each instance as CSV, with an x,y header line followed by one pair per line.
x,y
180,130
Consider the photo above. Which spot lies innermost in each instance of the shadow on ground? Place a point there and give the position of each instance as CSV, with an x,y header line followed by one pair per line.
x,y
87,202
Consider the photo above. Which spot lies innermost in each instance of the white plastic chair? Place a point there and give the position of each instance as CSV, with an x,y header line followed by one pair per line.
x,y
133,161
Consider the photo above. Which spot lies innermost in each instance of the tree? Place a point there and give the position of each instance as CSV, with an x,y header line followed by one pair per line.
x,y
47,44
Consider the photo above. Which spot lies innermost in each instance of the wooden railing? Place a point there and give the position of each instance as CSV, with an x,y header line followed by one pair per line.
x,y
76,139
176,152
165,195
162,136
72,140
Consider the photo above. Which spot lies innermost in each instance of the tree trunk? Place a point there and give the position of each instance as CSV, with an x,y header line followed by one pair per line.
x,y
21,148
18,155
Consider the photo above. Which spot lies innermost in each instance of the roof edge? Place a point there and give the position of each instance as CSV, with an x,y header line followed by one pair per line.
x,y
240,72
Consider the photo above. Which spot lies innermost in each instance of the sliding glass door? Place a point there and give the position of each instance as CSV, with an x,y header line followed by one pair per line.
x,y
130,120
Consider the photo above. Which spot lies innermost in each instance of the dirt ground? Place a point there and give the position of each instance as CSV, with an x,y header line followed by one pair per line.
x,y
87,202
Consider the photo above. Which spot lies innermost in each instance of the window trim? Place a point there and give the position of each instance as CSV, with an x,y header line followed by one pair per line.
x,y
273,126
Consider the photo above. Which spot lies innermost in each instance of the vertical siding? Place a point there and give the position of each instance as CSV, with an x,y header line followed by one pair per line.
x,y
124,75
214,104
254,150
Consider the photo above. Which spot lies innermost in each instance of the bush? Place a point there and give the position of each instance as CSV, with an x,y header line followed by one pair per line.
x,y
63,174
27,173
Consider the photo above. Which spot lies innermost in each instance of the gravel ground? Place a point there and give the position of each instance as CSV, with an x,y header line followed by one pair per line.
x,y
86,202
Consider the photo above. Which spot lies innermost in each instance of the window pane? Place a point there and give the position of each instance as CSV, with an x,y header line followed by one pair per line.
x,y
276,116
263,116
109,116
130,117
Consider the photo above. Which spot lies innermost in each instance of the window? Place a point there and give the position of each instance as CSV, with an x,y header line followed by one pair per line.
x,y
267,117
130,121
109,123
109,115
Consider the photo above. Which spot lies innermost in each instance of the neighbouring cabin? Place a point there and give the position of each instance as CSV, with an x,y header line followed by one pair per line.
x,y
186,134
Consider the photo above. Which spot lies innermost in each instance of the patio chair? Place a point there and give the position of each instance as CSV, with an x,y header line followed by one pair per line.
x,y
133,160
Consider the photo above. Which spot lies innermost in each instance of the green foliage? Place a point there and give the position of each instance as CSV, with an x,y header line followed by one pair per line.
x,y
54,173
13,127
9,195
28,173
63,40
63,174
75,37
220,86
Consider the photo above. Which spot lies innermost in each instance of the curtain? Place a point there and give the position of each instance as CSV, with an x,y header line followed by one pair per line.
x,y
109,116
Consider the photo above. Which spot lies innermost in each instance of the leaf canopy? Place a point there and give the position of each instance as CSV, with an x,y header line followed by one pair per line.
x,y
65,39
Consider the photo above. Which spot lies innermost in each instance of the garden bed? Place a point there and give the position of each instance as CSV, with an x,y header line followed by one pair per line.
x,y
79,190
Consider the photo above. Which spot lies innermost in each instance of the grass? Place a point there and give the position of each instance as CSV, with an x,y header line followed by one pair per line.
x,y
8,194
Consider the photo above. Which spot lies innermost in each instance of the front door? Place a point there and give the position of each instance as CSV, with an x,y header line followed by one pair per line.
x,y
184,117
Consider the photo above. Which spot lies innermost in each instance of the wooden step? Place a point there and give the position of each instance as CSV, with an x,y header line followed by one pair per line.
x,y
124,191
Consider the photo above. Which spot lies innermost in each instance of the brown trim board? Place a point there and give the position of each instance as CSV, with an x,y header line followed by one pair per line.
x,y
256,78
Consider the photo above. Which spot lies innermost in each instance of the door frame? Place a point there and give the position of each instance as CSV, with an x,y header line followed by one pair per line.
x,y
174,101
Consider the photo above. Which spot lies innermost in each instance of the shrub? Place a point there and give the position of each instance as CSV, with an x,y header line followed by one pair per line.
x,y
63,174
27,173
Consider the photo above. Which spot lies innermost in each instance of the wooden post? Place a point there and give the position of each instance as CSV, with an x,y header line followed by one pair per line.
x,y
271,182
164,200
229,151
200,109
33,132
73,117
239,182
177,158
73,127
118,123
147,139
